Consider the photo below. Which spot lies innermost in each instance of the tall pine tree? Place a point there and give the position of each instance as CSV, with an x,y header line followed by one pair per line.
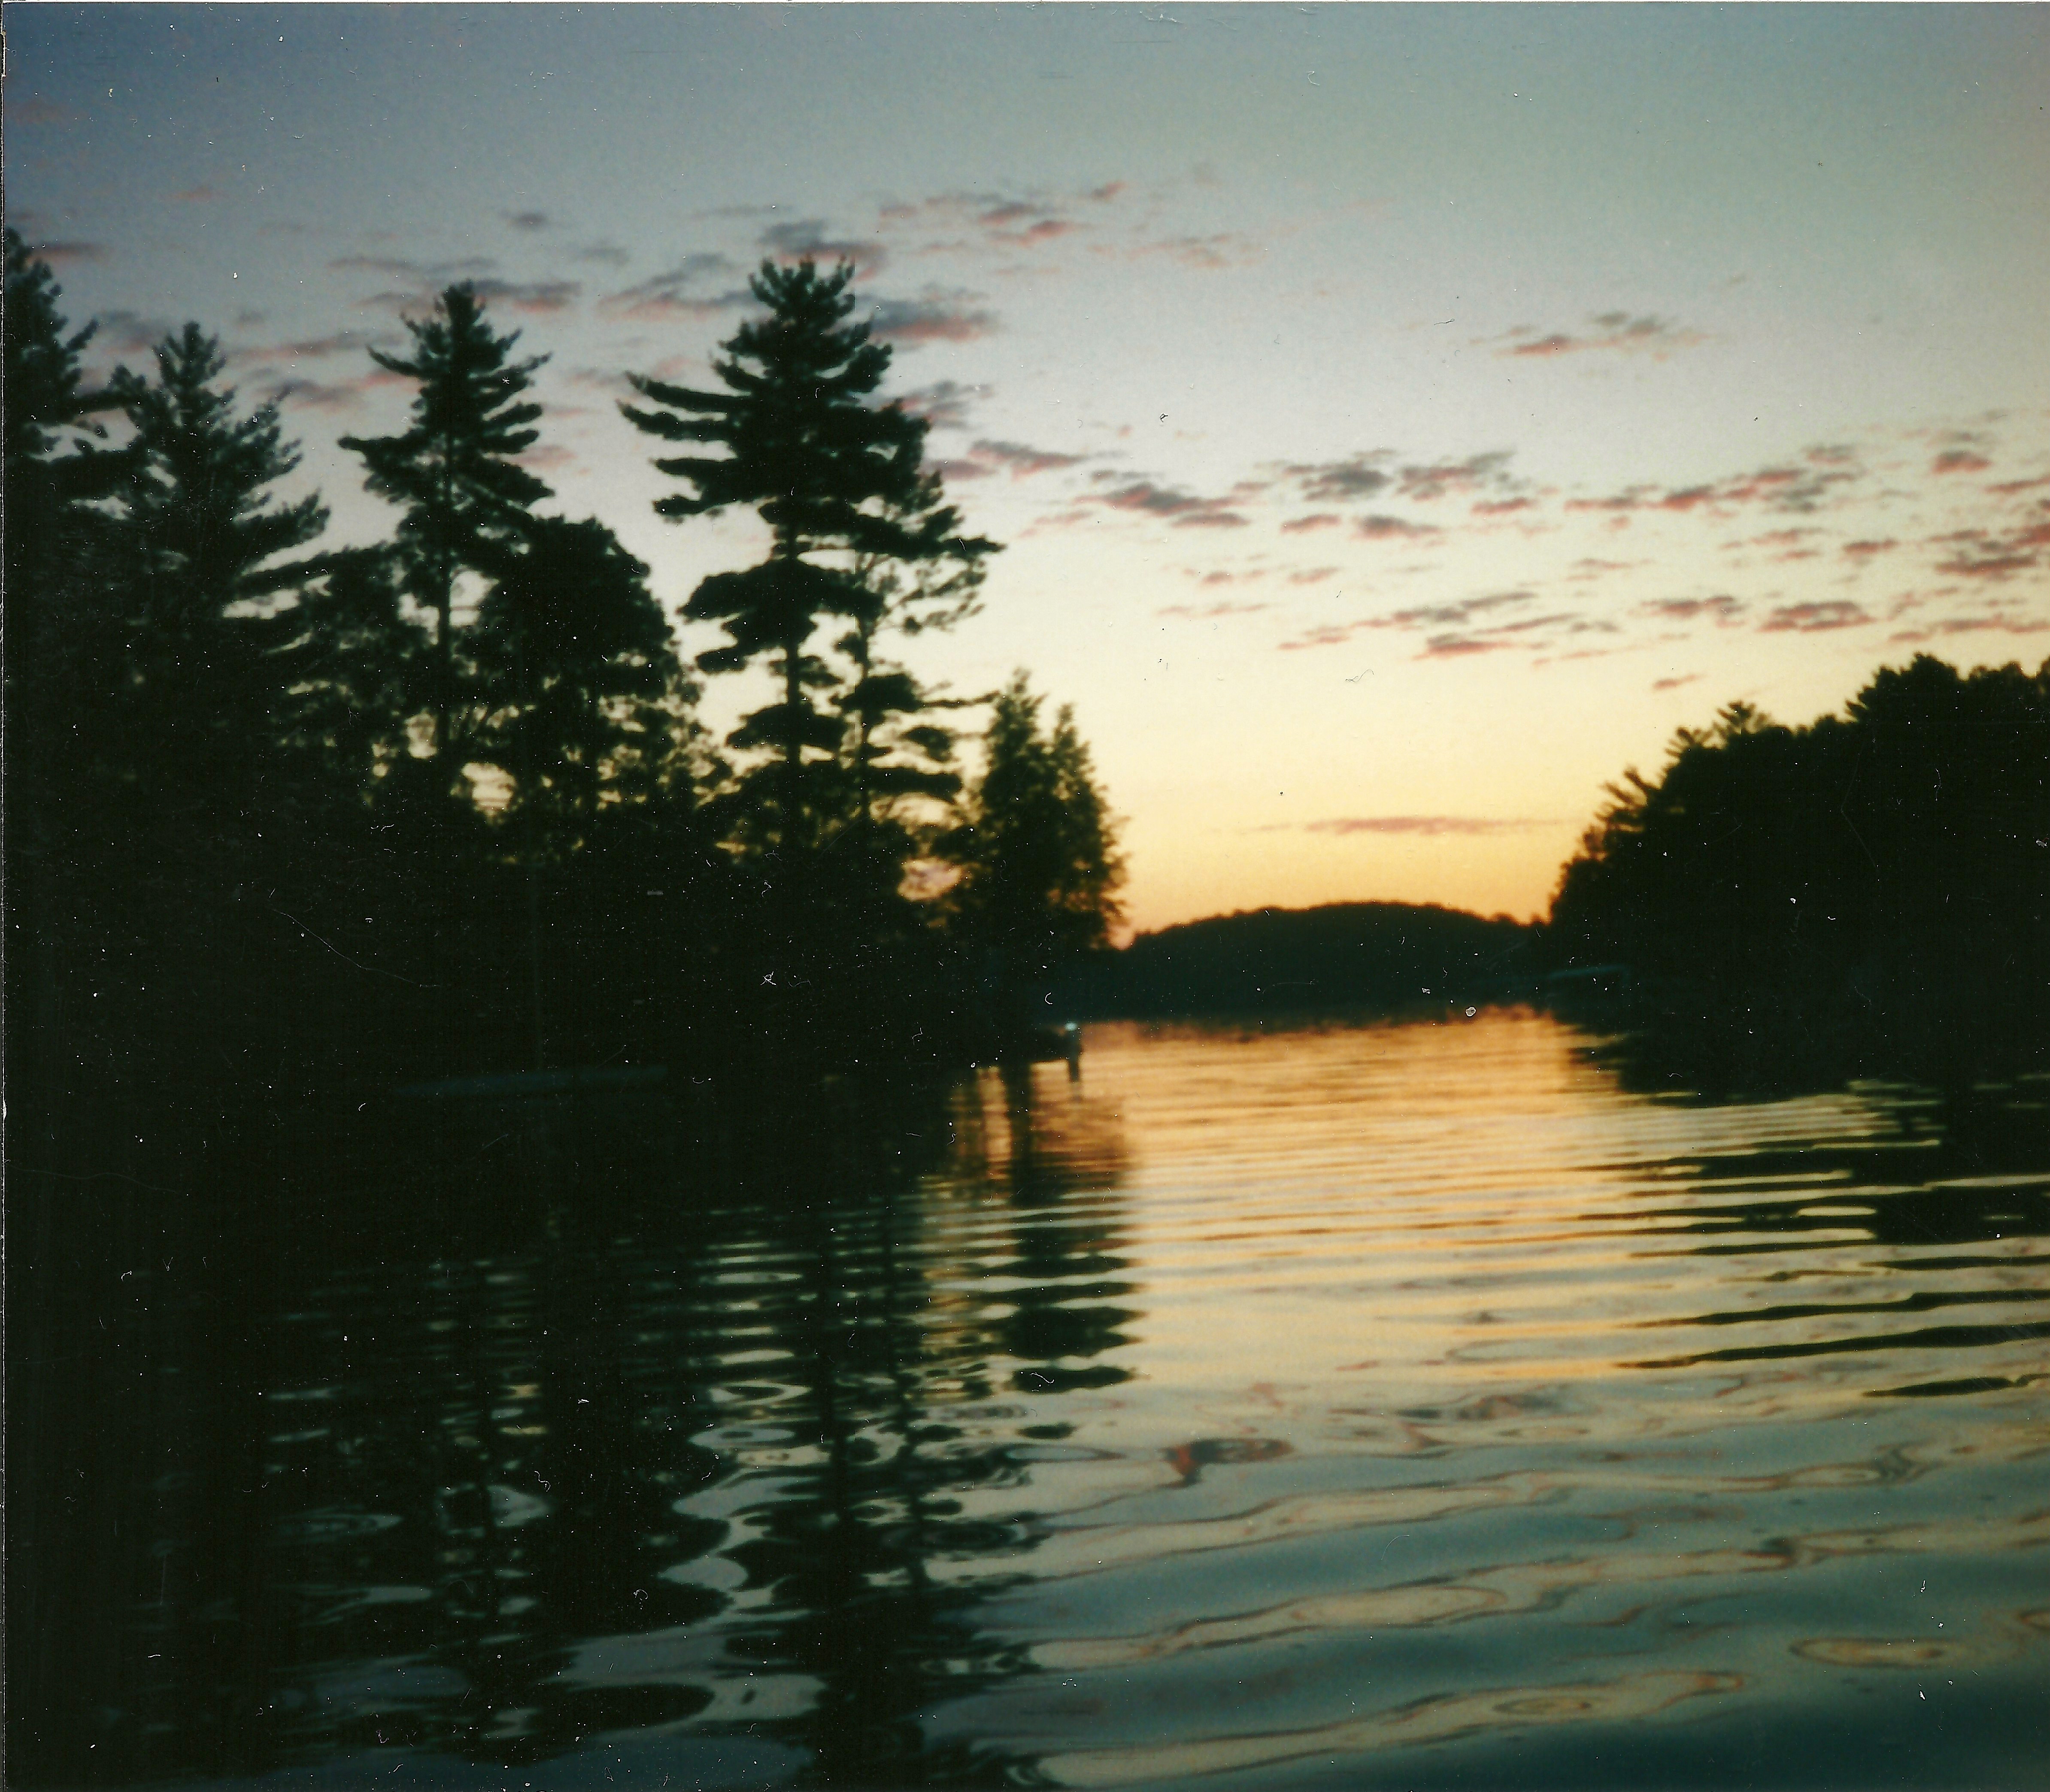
x,y
455,470
201,534
836,477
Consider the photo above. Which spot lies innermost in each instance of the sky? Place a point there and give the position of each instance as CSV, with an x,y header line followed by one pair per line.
x,y
1399,420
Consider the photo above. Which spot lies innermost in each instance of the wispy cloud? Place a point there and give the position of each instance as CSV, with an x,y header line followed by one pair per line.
x,y
1817,617
1341,482
1021,460
698,286
1425,824
1391,528
528,220
810,239
1722,608
944,404
934,316
1467,477
1184,509
1616,332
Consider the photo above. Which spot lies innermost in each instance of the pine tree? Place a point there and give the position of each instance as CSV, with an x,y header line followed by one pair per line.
x,y
454,471
199,536
586,699
837,480
1037,849
895,747
63,632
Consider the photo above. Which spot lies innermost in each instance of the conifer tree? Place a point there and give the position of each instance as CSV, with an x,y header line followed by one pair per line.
x,y
836,478
453,471
586,701
63,621
200,535
895,746
1037,849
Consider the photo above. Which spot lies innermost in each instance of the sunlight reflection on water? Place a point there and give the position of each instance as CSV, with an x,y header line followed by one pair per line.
x,y
1403,1403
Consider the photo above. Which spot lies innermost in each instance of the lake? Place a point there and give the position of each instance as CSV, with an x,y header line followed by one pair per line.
x,y
1412,1405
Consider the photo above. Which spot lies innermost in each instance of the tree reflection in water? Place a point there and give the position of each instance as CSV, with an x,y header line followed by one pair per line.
x,y
573,1436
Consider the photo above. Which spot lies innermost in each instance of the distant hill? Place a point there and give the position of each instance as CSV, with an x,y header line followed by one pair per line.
x,y
1343,955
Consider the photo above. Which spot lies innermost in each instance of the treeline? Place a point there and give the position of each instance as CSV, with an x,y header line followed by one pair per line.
x,y
287,819
1390,956
1875,886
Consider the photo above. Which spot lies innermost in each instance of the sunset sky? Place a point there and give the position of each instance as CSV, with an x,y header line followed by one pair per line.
x,y
1399,419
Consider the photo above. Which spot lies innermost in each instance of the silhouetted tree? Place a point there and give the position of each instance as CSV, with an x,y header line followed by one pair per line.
x,y
63,625
1888,861
585,704
835,477
895,746
1037,849
454,471
200,533
352,673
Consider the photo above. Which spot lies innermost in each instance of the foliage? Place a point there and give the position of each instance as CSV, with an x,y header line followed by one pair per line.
x,y
199,534
1036,846
583,703
837,479
454,471
1893,857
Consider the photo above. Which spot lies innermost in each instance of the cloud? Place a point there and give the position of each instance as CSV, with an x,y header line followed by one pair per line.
x,y
1325,634
1312,575
128,332
198,196
1424,824
422,273
1460,647
1675,683
1358,476
1816,618
936,316
806,239
543,296
545,454
1184,509
1959,460
1792,489
1476,473
1454,615
1385,529
679,291
1206,612
1992,621
1865,550
944,404
1979,554
1317,519
528,220
1722,608
1224,249
610,255
59,255
1615,331
314,395
1022,461
317,348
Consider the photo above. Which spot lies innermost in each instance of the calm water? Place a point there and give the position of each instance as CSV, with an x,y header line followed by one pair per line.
x,y
1404,1405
